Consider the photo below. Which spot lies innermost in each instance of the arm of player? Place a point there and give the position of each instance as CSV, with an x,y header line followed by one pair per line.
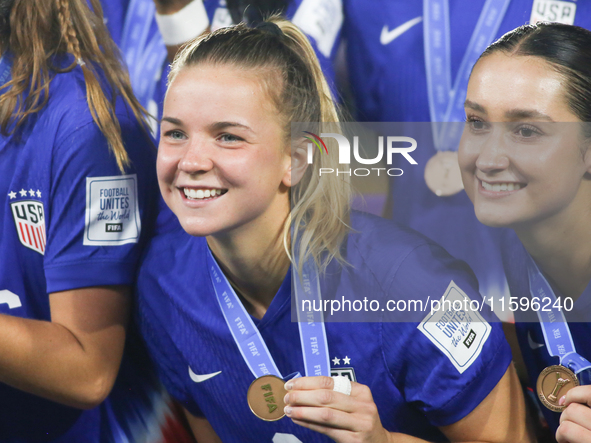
x,y
500,417
575,420
201,428
74,359
169,7
313,404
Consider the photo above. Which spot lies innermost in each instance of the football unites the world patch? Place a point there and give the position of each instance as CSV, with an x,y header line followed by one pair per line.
x,y
29,218
112,211
458,331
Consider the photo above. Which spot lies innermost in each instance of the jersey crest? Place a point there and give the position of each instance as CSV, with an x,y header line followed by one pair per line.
x,y
343,372
29,219
346,369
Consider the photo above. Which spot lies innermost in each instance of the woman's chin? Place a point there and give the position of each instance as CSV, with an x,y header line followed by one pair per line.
x,y
494,219
197,229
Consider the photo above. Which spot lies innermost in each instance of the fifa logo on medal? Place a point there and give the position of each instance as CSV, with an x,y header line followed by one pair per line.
x,y
265,397
271,403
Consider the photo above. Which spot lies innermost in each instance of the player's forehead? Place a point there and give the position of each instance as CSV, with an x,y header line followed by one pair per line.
x,y
222,93
507,86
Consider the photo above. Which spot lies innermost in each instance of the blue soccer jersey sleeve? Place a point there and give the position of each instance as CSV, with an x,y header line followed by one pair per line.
x,y
448,363
95,212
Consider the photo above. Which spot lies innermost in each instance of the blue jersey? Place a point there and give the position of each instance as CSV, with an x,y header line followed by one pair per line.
x,y
388,80
70,220
114,17
530,335
320,20
413,376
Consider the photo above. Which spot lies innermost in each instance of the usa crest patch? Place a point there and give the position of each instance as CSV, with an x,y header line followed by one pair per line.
x,y
343,372
29,218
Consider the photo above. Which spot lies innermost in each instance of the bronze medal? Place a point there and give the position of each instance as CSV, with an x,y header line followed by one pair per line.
x,y
265,397
443,175
554,382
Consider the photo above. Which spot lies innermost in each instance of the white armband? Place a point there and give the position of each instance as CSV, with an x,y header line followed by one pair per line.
x,y
183,25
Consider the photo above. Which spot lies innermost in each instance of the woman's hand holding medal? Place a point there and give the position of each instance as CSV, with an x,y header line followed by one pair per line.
x,y
575,420
313,403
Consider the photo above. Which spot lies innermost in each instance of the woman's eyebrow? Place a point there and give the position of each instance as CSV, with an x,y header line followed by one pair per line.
x,y
173,120
213,127
474,106
523,114
222,125
513,114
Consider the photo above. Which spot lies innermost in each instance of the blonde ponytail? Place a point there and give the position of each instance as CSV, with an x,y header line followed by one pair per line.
x,y
319,216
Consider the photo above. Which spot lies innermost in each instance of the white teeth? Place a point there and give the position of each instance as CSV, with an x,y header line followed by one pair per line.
x,y
498,187
196,194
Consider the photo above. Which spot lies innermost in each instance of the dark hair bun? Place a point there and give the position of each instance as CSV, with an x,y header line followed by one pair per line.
x,y
268,27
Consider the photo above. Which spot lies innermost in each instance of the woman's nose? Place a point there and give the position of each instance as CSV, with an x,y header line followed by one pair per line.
x,y
492,156
198,157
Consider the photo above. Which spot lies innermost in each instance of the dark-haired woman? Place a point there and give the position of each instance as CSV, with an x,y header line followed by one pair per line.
x,y
215,291
77,186
526,163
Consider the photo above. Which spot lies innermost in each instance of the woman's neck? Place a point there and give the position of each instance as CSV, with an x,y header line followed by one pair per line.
x,y
255,263
561,246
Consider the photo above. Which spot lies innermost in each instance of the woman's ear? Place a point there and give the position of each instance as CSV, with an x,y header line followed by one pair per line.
x,y
587,154
585,149
299,162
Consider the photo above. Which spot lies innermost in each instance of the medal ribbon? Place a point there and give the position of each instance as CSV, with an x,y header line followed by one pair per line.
x,y
446,104
311,323
557,336
248,338
143,57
